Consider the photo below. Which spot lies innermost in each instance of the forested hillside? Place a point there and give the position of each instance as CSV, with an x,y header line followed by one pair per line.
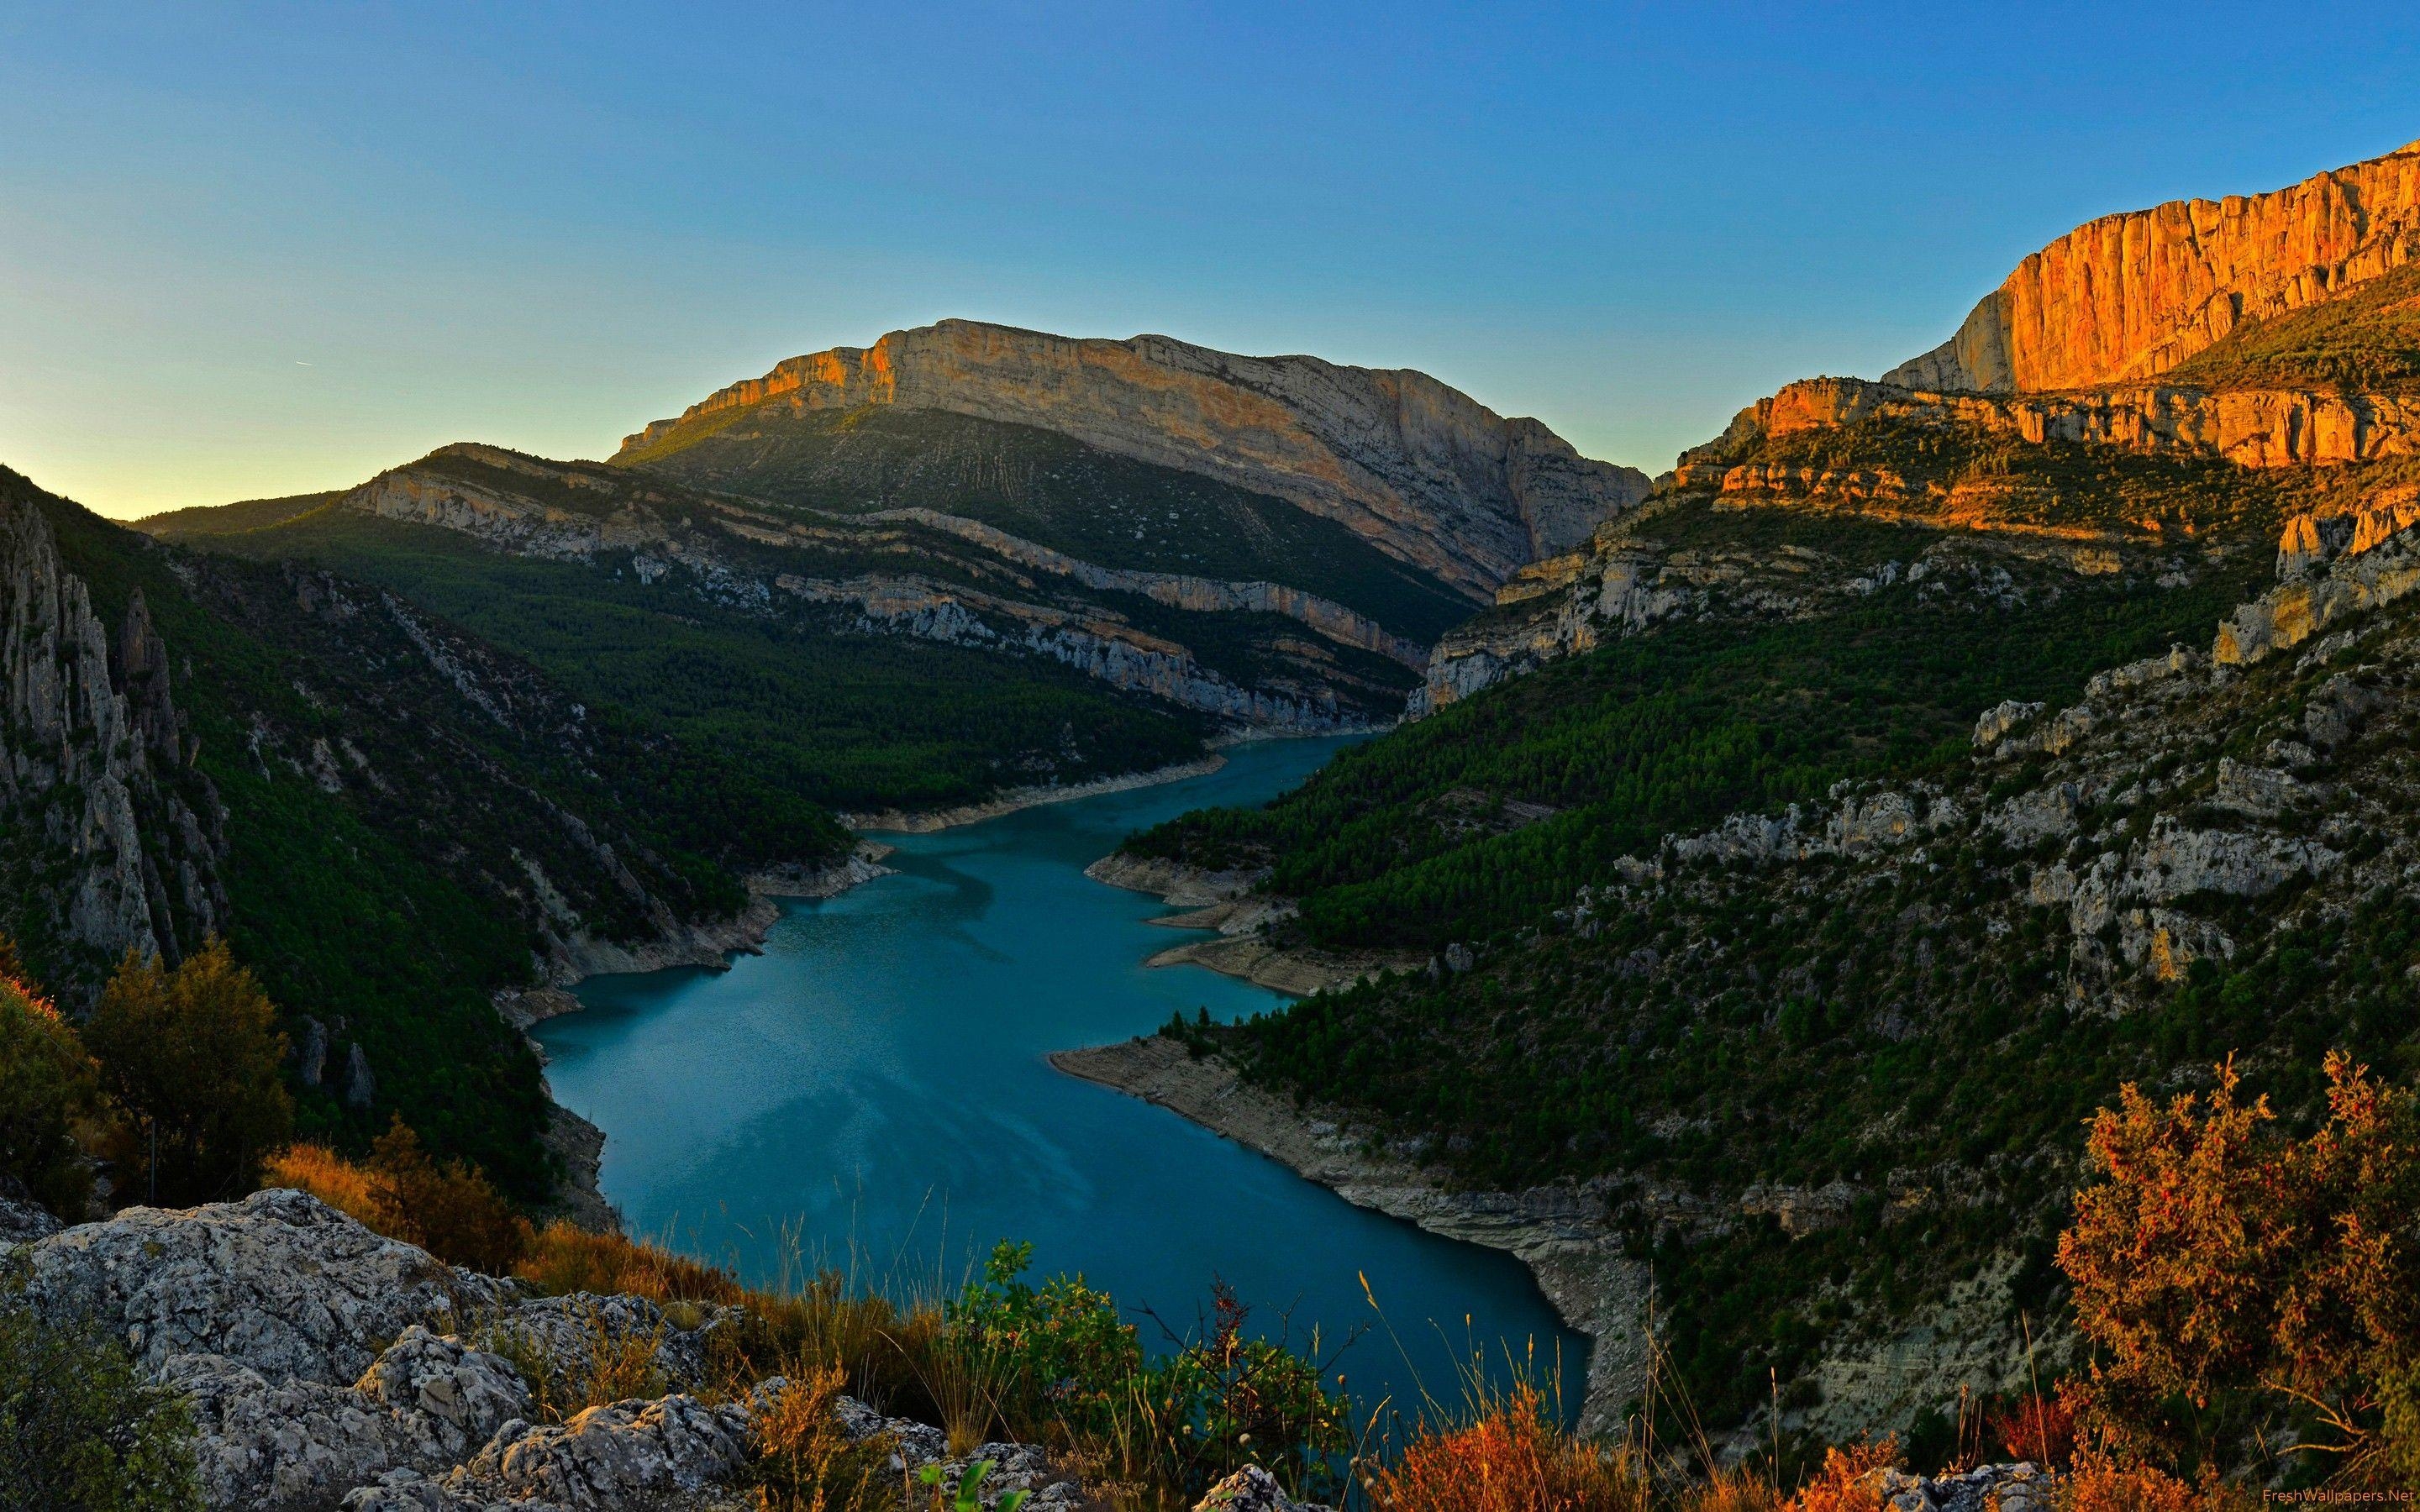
x,y
386,818
1804,644
899,659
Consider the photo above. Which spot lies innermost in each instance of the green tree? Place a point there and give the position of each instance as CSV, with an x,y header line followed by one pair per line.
x,y
48,1087
192,1055
80,1430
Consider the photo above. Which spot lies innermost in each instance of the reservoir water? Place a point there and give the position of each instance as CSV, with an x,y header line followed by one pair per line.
x,y
873,1088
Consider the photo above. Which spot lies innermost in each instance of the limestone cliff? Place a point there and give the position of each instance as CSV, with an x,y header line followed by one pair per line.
x,y
1418,468
96,795
2125,297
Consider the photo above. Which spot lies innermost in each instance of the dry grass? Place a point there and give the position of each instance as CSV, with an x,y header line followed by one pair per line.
x,y
562,1258
605,1362
805,1463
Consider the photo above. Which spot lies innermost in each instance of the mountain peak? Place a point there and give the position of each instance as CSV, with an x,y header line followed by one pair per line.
x,y
1423,470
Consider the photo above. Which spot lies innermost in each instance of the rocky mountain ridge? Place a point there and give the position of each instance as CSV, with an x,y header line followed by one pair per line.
x,y
956,581
2125,297
1419,469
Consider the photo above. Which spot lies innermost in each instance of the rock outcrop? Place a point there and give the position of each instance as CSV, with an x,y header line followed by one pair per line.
x,y
2126,297
94,775
1421,469
327,1368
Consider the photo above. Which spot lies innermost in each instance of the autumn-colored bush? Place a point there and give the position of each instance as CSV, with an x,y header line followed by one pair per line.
x,y
192,1055
2102,1484
451,1210
1510,1458
1847,1481
2040,1428
2217,1260
50,1090
328,1176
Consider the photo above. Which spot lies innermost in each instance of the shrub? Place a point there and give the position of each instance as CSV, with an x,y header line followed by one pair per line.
x,y
2216,1260
1847,1482
1224,1400
2102,1484
193,1055
450,1210
49,1087
1510,1458
1055,1356
2042,1430
80,1430
328,1176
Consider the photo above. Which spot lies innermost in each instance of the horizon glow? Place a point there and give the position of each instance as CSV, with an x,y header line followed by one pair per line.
x,y
274,248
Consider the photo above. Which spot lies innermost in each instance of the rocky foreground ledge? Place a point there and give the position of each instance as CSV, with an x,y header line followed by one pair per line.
x,y
330,1367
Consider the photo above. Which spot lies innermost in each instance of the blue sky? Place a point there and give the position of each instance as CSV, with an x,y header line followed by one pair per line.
x,y
248,250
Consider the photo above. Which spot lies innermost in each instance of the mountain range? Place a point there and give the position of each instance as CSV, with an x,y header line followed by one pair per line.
x,y
1762,869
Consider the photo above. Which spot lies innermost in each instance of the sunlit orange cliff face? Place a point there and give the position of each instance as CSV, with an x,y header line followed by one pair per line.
x,y
2126,297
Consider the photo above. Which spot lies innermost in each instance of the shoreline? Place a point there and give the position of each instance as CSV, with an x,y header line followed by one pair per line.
x,y
1575,1257
928,821
1223,902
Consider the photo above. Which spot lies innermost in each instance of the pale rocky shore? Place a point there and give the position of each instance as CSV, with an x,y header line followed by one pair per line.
x,y
925,822
1224,901
1559,1231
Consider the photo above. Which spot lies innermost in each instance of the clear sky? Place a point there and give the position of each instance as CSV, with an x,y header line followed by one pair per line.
x,y
250,249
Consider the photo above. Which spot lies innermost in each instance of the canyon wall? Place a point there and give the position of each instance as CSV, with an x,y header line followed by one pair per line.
x,y
2126,297
1418,468
2254,427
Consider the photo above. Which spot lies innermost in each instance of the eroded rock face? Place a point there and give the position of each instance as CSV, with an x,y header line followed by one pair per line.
x,y
89,713
1421,469
2128,296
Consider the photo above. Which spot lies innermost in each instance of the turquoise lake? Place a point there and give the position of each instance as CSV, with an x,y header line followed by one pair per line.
x,y
872,1089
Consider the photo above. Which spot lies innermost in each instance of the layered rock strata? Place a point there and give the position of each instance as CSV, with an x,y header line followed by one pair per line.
x,y
1423,470
2252,428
